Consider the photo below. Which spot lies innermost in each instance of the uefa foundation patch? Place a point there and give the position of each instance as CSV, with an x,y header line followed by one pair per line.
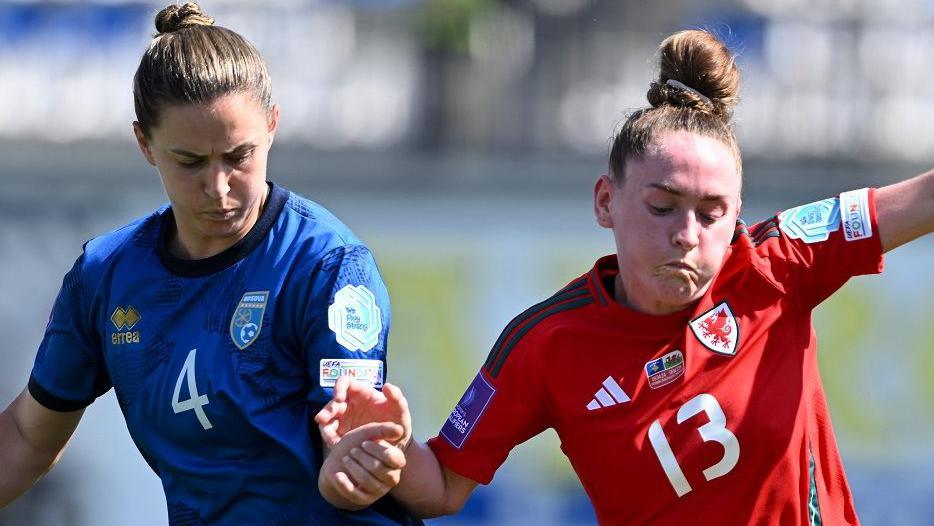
x,y
468,411
664,370
854,207
369,372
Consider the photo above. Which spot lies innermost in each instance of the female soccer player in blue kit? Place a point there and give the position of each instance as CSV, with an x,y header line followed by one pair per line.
x,y
222,319
696,397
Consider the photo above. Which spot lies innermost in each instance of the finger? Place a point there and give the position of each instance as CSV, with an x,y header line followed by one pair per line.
x,y
375,466
394,394
340,389
346,488
388,454
329,433
357,390
390,431
330,411
363,479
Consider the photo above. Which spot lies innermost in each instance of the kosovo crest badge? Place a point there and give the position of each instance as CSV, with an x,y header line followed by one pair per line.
x,y
247,320
355,318
717,329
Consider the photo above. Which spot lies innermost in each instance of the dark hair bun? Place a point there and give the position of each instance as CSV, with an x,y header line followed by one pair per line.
x,y
175,17
696,71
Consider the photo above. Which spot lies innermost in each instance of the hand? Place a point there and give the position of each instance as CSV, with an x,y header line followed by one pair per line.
x,y
355,404
363,466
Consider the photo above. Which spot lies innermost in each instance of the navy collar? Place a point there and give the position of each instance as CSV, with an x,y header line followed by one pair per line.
x,y
197,268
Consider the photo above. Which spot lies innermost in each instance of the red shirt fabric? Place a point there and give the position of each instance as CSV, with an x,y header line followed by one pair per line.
x,y
713,415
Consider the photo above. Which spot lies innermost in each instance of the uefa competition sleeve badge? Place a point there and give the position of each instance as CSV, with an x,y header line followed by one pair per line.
x,y
355,318
247,319
813,222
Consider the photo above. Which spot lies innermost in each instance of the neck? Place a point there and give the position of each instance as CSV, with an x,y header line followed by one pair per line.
x,y
656,307
187,243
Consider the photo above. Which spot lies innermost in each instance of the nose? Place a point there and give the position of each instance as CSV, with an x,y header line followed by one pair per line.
x,y
217,180
686,233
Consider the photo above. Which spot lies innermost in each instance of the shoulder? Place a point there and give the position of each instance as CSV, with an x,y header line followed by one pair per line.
x,y
314,220
139,235
321,245
531,332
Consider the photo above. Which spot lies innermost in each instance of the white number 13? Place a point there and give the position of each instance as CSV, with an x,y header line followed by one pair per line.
x,y
714,430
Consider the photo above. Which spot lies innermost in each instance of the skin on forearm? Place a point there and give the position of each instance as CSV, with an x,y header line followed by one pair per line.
x,y
905,210
427,489
32,439
21,465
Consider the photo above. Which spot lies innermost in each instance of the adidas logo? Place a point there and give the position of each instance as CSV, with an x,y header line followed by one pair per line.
x,y
608,395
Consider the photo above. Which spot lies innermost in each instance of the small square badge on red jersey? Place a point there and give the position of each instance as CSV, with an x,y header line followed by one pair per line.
x,y
468,411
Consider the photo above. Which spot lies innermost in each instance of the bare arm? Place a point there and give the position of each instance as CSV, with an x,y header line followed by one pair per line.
x,y
905,210
32,439
427,488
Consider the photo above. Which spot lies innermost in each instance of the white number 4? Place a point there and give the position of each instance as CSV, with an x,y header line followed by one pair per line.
x,y
714,430
195,401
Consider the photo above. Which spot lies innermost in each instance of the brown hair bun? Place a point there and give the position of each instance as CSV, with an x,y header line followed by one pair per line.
x,y
175,17
703,73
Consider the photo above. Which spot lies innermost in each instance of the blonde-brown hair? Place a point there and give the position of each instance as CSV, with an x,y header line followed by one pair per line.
x,y
696,89
192,61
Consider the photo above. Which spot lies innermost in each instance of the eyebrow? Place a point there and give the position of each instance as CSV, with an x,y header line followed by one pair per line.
x,y
680,193
239,149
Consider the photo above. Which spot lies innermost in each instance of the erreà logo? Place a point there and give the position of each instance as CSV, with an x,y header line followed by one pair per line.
x,y
247,319
717,329
355,318
124,320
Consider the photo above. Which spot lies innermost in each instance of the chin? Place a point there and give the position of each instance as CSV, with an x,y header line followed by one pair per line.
x,y
679,292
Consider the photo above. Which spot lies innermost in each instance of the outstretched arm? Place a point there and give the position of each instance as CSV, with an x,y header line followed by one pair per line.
x,y
905,210
32,439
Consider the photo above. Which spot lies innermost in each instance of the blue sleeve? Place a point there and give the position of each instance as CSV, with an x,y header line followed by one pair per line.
x,y
69,373
345,323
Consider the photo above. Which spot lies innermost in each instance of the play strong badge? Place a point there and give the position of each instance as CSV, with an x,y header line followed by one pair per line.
x,y
813,222
355,318
717,329
467,412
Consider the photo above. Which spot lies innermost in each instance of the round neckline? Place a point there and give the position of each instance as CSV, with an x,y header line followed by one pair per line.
x,y
194,268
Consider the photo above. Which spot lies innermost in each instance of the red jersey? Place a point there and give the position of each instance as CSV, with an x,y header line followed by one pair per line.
x,y
714,415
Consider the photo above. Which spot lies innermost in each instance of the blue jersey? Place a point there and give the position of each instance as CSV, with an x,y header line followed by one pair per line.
x,y
220,364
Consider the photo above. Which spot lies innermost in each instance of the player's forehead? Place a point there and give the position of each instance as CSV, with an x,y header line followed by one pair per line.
x,y
223,124
685,164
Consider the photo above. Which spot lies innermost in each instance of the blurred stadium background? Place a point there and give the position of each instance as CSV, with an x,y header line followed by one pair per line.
x,y
460,139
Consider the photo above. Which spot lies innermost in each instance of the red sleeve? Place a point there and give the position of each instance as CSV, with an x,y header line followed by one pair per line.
x,y
814,249
501,408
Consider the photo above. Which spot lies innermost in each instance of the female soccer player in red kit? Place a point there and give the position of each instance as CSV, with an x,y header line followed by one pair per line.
x,y
680,373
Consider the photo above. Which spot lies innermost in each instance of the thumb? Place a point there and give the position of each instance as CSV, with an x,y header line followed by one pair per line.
x,y
380,430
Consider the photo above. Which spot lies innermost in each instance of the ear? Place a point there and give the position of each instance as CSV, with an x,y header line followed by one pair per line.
x,y
143,143
602,197
273,122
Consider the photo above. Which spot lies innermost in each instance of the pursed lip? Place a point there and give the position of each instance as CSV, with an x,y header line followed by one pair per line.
x,y
222,214
681,265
